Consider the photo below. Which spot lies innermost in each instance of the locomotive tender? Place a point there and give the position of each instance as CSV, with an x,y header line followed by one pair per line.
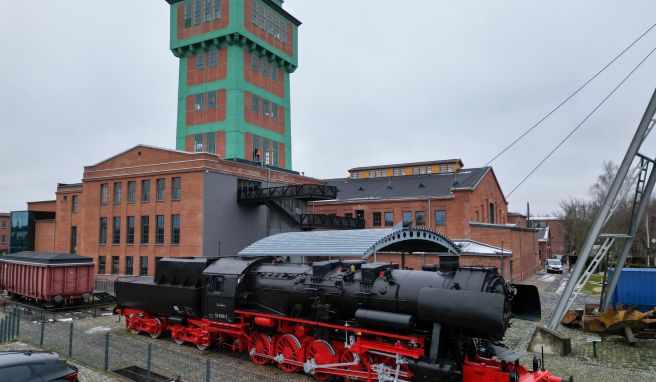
x,y
331,319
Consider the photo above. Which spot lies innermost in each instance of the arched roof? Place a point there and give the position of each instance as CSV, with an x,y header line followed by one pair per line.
x,y
351,243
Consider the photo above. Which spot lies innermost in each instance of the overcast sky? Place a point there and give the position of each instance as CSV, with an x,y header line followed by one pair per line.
x,y
379,81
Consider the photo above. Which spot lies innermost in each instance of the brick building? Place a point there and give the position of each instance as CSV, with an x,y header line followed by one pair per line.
x,y
461,203
236,57
147,202
552,236
5,231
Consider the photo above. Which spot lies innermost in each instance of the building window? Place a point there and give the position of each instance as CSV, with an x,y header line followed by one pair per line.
x,y
389,219
492,213
212,58
443,168
422,170
383,173
129,239
407,217
103,231
274,73
116,230
117,192
4,224
160,183
208,11
420,218
128,265
3,239
145,226
211,100
175,229
265,69
145,190
415,171
255,101
115,265
198,143
159,229
175,188
132,191
199,101
372,174
403,171
210,140
143,265
200,60
440,218
101,264
187,14
376,219
450,168
429,170
197,12
255,63
75,201
217,9
396,172
104,189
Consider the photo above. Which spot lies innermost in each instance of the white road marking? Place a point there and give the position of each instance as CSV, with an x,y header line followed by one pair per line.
x,y
561,287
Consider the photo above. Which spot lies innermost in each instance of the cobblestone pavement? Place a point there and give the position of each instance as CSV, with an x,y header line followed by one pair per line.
x,y
85,374
615,360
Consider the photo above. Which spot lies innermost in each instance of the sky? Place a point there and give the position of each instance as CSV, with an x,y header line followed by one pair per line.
x,y
379,81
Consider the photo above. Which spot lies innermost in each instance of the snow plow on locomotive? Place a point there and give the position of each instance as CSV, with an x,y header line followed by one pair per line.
x,y
339,319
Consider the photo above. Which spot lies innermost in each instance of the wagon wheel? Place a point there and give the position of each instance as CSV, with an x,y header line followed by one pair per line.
x,y
158,333
323,354
261,344
290,348
202,347
349,357
135,331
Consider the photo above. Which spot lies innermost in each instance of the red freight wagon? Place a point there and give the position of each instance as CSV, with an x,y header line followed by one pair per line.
x,y
49,277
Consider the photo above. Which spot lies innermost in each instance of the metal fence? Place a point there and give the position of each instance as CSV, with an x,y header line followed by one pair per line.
x,y
138,358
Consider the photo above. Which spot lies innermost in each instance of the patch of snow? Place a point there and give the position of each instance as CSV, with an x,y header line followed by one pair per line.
x,y
98,329
67,319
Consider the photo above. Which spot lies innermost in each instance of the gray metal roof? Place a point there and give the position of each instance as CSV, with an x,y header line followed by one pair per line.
x,y
408,186
350,243
472,247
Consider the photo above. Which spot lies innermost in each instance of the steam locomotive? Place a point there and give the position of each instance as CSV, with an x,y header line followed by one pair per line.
x,y
340,319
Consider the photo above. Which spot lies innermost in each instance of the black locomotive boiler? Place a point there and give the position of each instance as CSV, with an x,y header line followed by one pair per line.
x,y
349,319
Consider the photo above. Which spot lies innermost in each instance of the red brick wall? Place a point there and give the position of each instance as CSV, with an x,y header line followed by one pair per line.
x,y
47,206
5,231
281,155
277,125
44,236
557,237
248,146
66,218
207,74
523,244
261,81
206,115
203,27
287,48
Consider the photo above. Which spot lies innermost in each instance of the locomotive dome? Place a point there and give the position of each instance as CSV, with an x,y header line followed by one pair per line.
x,y
361,243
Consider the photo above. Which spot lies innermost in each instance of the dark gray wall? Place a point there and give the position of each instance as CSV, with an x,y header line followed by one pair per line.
x,y
231,226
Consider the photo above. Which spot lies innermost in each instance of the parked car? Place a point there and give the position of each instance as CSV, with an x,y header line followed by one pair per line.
x,y
29,366
554,266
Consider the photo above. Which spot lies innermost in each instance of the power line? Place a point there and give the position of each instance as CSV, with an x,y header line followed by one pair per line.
x,y
581,123
569,97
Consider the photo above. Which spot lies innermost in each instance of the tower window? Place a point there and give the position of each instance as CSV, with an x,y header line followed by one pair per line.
x,y
255,63
256,103
197,12
212,58
208,10
265,69
199,101
200,60
211,100
274,73
210,146
187,14
198,142
217,9
274,110
266,106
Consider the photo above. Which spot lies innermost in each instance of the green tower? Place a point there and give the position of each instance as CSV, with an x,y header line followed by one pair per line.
x,y
235,60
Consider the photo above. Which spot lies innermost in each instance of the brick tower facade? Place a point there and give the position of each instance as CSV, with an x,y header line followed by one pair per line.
x,y
235,60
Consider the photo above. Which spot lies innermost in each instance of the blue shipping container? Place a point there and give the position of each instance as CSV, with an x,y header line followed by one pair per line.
x,y
636,286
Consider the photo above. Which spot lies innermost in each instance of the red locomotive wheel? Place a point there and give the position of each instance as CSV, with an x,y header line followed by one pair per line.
x,y
158,331
323,354
348,357
262,344
290,348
